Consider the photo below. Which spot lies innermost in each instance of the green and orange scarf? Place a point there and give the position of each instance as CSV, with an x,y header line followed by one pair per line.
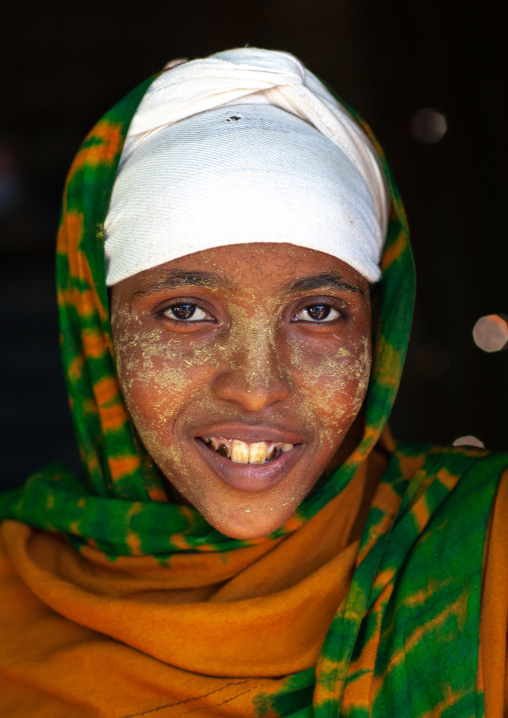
x,y
404,639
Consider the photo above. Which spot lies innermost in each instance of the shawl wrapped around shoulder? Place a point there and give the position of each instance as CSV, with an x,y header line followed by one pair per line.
x,y
385,594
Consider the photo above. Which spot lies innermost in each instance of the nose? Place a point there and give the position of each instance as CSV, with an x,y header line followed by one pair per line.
x,y
255,377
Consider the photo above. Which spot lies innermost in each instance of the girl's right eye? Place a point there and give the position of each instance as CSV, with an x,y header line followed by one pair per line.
x,y
185,312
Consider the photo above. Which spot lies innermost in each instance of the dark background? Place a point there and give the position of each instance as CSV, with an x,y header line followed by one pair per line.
x,y
65,63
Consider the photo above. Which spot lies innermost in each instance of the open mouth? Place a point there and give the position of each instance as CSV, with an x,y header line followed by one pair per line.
x,y
254,465
241,452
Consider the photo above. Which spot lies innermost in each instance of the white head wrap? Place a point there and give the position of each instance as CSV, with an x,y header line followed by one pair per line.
x,y
244,146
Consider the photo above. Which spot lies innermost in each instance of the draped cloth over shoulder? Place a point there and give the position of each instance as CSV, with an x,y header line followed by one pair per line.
x,y
115,602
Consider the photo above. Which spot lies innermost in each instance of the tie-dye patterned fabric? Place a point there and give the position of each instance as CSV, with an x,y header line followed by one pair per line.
x,y
405,640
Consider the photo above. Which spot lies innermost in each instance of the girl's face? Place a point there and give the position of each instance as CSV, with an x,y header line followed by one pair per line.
x,y
243,368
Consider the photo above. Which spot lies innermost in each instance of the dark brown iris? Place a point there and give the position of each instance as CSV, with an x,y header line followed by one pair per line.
x,y
318,311
183,311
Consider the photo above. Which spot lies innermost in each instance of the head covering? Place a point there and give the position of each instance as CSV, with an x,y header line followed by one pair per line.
x,y
255,140
113,580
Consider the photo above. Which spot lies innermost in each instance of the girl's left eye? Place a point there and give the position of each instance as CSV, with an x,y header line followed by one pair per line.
x,y
317,313
185,312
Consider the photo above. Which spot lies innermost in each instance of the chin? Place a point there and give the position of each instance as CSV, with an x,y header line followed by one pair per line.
x,y
249,526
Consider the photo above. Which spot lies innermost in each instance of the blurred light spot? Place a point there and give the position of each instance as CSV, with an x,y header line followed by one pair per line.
x,y
469,441
428,126
490,333
432,360
10,187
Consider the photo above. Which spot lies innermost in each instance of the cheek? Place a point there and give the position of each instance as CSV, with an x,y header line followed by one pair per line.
x,y
333,379
157,378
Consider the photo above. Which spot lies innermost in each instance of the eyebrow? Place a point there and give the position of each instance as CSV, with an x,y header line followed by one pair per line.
x,y
330,280
179,277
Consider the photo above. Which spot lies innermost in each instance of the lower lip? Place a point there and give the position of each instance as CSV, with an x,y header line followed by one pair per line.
x,y
250,477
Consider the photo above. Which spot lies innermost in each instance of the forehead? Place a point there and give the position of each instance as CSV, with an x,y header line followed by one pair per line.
x,y
265,266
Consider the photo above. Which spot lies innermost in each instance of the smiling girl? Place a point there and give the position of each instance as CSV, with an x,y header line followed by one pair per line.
x,y
235,287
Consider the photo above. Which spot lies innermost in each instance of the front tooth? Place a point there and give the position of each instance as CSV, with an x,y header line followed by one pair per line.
x,y
240,452
286,447
224,450
257,453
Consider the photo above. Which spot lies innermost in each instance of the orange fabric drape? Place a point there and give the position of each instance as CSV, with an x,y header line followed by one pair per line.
x,y
494,608
84,636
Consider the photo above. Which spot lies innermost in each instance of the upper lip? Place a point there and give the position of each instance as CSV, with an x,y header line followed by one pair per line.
x,y
250,433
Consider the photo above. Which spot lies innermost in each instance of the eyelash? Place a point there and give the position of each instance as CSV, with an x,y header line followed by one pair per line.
x,y
206,316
